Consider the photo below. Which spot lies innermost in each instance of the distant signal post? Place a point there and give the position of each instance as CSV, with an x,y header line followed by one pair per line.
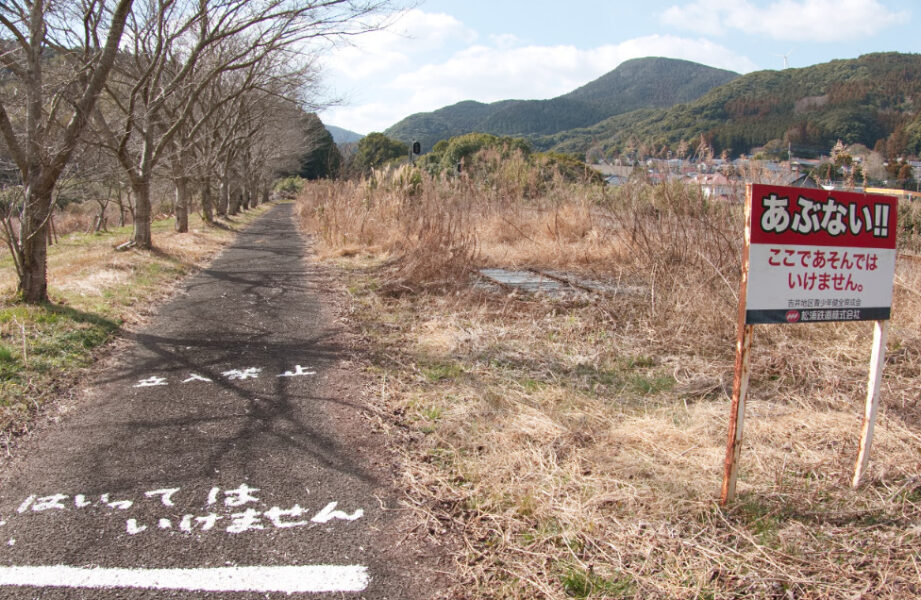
x,y
812,256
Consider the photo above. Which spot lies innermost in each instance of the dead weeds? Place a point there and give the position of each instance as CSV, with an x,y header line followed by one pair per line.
x,y
575,447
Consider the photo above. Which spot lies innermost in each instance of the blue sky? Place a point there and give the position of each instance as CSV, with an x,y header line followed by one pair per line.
x,y
440,52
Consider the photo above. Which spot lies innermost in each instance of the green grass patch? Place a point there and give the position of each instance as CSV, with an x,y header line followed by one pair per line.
x,y
585,583
531,385
643,384
634,375
763,519
442,371
639,362
432,413
597,374
41,345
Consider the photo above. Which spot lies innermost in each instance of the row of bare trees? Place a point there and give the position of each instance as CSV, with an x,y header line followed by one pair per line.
x,y
207,94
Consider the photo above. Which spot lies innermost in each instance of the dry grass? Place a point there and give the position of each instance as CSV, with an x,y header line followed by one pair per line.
x,y
86,265
575,447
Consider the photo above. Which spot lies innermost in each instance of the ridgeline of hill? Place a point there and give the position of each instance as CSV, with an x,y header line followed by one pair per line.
x,y
652,104
872,99
343,136
638,83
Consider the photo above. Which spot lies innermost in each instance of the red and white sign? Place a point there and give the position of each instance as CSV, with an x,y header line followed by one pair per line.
x,y
819,256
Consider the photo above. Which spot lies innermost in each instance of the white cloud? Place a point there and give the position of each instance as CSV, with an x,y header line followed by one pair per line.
x,y
800,20
420,32
492,73
415,33
356,63
505,40
365,118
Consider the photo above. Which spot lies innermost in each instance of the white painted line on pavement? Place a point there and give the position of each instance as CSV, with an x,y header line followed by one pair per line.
x,y
303,579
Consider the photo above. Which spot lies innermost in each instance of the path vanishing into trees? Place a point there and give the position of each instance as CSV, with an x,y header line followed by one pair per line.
x,y
221,453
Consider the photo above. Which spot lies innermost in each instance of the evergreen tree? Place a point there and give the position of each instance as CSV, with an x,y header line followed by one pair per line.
x,y
375,150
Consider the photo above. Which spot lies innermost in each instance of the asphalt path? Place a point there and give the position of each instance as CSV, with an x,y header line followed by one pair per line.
x,y
222,453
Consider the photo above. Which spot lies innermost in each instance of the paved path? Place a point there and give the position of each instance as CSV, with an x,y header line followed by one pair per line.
x,y
221,456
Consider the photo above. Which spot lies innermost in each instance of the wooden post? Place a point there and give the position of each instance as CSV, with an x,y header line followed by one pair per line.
x,y
737,415
877,359
744,334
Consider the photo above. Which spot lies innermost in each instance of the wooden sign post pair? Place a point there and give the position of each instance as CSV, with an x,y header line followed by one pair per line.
x,y
812,256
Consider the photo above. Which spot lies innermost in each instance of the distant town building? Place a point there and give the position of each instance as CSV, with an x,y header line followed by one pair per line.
x,y
715,185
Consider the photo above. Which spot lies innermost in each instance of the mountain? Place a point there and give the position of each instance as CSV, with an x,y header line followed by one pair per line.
x,y
651,83
343,136
429,128
875,98
641,82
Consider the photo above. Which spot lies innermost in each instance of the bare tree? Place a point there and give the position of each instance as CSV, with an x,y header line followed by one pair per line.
x,y
99,180
180,47
58,56
230,146
223,113
277,139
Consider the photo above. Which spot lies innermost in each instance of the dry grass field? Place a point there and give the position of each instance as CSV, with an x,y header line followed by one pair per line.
x,y
572,445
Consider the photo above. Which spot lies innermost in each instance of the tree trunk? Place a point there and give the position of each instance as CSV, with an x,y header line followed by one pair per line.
x,y
125,207
102,223
223,204
34,284
33,235
142,234
234,207
254,193
265,193
182,205
206,207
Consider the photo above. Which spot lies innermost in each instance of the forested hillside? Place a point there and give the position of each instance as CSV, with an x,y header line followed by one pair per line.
x,y
643,82
873,100
651,83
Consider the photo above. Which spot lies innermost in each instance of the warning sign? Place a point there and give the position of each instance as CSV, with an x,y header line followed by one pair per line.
x,y
820,256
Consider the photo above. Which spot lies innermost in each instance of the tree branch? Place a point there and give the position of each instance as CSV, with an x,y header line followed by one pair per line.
x,y
12,143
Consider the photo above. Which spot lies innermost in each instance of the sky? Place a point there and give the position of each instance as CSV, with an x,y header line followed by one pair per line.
x,y
439,52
